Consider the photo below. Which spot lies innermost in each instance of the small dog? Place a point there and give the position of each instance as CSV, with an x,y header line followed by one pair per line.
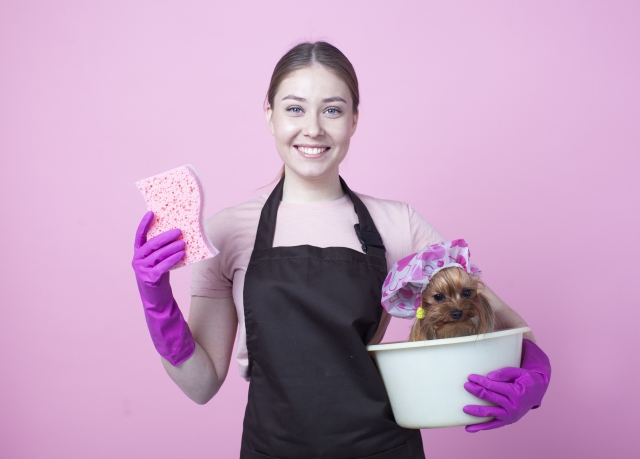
x,y
452,306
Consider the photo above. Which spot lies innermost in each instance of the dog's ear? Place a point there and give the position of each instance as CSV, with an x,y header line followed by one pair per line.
x,y
486,317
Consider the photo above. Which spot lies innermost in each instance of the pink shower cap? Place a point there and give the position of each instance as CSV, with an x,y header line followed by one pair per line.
x,y
408,278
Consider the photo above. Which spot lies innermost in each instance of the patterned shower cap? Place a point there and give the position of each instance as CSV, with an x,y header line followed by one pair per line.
x,y
408,278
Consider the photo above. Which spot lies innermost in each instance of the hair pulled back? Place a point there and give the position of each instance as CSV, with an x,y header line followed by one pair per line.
x,y
311,53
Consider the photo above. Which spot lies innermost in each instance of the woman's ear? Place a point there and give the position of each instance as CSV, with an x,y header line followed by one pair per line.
x,y
355,123
268,112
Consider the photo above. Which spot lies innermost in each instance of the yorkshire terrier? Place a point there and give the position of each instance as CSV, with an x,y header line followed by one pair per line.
x,y
452,306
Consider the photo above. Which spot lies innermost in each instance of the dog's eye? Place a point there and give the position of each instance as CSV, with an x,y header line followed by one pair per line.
x,y
466,293
438,297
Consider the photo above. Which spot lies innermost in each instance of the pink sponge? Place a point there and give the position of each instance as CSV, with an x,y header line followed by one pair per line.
x,y
176,198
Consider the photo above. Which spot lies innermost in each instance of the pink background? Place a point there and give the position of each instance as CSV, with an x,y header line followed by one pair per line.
x,y
513,124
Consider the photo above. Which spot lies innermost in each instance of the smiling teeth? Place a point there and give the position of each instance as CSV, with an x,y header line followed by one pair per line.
x,y
312,151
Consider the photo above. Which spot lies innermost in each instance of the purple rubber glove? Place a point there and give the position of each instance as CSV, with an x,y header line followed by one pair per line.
x,y
514,390
151,262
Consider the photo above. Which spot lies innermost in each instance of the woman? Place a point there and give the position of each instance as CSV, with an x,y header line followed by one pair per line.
x,y
301,272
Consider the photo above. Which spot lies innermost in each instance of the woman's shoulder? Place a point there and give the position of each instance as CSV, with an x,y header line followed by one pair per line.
x,y
387,209
399,218
236,221
385,203
239,211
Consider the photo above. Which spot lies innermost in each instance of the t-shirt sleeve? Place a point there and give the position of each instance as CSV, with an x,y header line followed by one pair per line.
x,y
208,276
422,233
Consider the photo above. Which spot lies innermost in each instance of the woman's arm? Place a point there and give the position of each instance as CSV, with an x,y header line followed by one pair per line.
x,y
213,323
505,316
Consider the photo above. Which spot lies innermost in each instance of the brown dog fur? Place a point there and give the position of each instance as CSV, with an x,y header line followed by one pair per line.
x,y
453,289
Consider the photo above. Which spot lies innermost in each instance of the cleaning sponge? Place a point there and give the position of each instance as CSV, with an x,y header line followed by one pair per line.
x,y
176,198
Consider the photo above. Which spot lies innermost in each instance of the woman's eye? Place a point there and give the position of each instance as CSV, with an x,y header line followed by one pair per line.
x,y
466,293
295,110
333,111
438,297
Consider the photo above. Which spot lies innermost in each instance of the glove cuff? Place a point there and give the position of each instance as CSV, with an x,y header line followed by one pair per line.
x,y
536,361
169,331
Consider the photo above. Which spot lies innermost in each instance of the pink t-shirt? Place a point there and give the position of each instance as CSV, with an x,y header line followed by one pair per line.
x,y
324,224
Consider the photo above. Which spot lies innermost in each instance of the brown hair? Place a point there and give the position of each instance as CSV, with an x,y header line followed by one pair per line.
x,y
311,53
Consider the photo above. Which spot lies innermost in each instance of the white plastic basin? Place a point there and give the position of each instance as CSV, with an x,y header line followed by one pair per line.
x,y
425,379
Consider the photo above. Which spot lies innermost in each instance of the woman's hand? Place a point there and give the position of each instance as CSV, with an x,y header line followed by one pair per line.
x,y
152,259
514,390
151,262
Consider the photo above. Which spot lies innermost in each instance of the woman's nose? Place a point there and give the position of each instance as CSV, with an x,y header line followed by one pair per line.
x,y
312,127
457,314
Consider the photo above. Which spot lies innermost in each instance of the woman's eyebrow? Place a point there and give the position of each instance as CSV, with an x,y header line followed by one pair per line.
x,y
291,96
302,99
334,99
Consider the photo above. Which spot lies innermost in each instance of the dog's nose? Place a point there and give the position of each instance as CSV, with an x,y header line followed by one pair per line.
x,y
457,314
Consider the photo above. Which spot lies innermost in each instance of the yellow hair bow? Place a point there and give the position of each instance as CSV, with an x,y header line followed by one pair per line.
x,y
420,313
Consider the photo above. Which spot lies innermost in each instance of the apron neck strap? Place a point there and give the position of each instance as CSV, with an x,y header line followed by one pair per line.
x,y
365,229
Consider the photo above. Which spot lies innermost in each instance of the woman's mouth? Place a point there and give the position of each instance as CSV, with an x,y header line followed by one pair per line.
x,y
310,152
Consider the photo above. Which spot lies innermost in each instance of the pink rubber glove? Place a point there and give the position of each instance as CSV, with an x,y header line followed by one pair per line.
x,y
514,390
151,261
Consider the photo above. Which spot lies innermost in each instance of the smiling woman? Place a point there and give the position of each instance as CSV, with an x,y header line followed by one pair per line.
x,y
316,83
312,122
299,276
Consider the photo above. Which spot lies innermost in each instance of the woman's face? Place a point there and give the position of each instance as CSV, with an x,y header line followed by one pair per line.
x,y
312,121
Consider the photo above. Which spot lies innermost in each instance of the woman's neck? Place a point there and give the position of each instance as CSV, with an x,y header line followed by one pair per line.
x,y
302,190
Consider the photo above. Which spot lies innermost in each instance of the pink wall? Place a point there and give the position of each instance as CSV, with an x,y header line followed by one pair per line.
x,y
515,123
